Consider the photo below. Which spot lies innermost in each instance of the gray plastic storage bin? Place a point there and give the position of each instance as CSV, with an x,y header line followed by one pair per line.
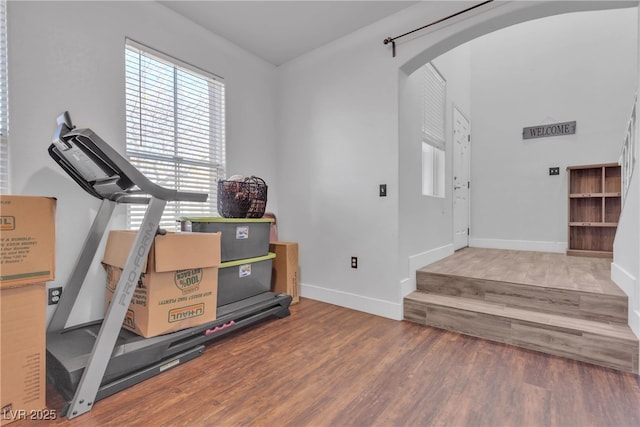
x,y
242,238
244,278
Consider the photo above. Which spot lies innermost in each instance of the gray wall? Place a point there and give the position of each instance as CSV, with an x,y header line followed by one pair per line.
x,y
323,130
581,67
426,223
70,56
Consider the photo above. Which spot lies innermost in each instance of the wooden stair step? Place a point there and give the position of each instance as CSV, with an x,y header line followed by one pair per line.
x,y
601,343
561,301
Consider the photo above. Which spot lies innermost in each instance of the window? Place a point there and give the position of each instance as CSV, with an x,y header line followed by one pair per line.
x,y
4,102
433,132
175,130
432,170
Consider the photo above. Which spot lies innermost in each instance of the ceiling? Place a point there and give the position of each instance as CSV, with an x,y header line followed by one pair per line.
x,y
279,31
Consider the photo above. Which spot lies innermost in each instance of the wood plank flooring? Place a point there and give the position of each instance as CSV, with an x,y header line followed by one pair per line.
x,y
563,305
540,269
329,366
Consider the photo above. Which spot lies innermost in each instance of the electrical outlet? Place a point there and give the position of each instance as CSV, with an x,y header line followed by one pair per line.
x,y
383,190
54,295
354,262
554,171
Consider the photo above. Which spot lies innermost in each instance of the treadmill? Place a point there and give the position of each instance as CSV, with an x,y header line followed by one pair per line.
x,y
93,360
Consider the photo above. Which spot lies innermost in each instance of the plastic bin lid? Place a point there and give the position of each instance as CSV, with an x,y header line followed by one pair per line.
x,y
237,262
221,219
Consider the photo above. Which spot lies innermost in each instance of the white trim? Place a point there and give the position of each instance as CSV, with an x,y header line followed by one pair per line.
x,y
519,245
455,108
407,285
634,322
374,306
624,280
629,286
417,261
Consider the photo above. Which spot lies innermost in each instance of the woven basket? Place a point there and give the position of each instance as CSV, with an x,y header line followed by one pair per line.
x,y
242,199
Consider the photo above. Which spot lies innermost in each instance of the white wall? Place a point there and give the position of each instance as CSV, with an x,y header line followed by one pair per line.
x,y
581,67
333,139
626,251
338,141
426,223
338,121
625,268
70,56
339,132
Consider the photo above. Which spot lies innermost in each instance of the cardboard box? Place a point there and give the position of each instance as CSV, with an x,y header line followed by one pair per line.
x,y
22,351
178,288
27,240
284,278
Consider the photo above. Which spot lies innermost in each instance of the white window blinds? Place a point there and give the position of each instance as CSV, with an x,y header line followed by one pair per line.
x,y
175,130
4,102
433,132
435,96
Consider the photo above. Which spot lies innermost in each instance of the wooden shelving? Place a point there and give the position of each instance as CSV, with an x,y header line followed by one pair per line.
x,y
594,209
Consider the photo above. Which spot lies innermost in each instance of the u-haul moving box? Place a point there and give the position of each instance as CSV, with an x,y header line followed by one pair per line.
x,y
27,240
22,341
27,259
178,288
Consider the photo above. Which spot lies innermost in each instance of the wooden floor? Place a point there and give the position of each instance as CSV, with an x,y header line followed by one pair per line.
x,y
562,305
330,366
543,269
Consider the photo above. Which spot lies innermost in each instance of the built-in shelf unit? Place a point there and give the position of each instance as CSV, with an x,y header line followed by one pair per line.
x,y
594,209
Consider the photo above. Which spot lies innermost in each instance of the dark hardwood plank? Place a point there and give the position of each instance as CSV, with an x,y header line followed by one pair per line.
x,y
330,366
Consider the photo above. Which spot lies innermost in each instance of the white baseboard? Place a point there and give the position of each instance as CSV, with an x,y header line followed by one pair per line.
x,y
625,281
355,302
388,309
420,260
519,245
629,286
634,322
407,286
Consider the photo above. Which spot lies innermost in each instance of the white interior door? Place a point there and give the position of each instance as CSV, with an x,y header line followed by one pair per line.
x,y
461,179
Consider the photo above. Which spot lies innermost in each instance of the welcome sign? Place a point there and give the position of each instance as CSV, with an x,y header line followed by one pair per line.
x,y
543,131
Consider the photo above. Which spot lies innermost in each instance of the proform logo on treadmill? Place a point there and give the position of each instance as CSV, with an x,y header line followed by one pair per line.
x,y
188,281
140,255
188,312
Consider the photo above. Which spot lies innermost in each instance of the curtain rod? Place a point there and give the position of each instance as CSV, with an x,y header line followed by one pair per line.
x,y
392,40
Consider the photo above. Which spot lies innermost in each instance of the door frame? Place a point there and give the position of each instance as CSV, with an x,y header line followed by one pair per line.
x,y
455,107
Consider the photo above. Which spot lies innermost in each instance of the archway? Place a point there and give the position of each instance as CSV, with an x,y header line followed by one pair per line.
x,y
438,47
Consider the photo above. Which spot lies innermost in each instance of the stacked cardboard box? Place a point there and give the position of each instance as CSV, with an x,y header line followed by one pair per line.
x,y
284,278
27,261
178,287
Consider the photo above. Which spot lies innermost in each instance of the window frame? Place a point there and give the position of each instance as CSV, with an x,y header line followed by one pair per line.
x,y
433,168
168,137
433,140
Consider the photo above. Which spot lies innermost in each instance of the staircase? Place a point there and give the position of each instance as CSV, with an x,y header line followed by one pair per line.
x,y
583,325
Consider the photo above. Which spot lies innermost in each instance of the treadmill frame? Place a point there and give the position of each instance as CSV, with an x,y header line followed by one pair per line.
x,y
82,154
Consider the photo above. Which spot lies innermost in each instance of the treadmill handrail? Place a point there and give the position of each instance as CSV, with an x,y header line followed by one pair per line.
x,y
134,174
